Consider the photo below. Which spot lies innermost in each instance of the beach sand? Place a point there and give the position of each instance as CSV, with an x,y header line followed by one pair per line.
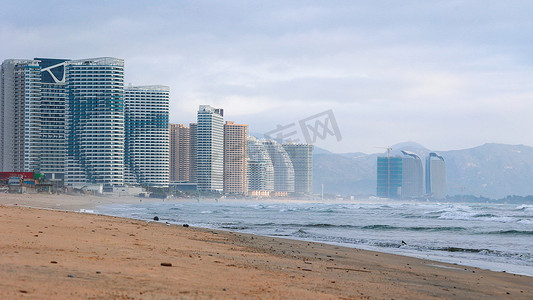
x,y
49,254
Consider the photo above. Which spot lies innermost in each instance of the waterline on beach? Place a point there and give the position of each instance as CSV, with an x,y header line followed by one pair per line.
x,y
495,237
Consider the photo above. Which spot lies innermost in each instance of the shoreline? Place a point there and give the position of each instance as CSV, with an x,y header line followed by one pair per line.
x,y
88,204
488,263
110,257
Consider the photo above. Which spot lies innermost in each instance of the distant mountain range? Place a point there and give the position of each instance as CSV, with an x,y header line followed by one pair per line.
x,y
491,170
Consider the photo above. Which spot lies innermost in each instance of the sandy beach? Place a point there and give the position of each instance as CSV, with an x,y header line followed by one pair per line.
x,y
63,254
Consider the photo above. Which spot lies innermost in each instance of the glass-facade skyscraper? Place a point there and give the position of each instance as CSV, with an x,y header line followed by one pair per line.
x,y
389,177
400,177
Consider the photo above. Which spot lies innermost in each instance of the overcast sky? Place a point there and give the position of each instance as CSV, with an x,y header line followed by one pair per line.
x,y
446,74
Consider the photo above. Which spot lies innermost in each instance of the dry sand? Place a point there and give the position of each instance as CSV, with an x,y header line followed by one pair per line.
x,y
47,254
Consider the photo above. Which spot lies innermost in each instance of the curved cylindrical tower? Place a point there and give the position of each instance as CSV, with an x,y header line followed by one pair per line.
x,y
435,176
283,168
260,168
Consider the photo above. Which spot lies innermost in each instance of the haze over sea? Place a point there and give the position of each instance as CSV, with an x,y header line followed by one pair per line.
x,y
498,237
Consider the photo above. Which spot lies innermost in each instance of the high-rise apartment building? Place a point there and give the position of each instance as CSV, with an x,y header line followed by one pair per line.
x,y
400,176
95,122
389,177
210,149
53,99
283,168
180,145
193,152
235,158
65,119
173,151
33,116
412,175
260,169
302,161
435,176
20,115
146,145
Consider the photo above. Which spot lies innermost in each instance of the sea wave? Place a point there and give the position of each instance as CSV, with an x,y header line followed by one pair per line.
x,y
234,227
511,232
485,216
312,225
524,257
468,250
377,227
488,233
525,221
525,207
475,216
414,228
301,233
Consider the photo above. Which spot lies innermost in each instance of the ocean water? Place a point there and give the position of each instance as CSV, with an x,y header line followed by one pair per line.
x,y
490,236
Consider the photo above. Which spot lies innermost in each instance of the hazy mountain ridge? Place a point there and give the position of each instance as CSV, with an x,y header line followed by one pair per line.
x,y
490,170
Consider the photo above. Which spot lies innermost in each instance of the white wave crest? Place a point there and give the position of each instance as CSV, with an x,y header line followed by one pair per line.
x,y
525,207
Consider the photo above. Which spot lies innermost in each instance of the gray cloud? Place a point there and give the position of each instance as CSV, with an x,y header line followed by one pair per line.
x,y
447,74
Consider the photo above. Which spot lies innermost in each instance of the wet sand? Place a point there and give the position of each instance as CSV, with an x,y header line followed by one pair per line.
x,y
70,202
48,254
